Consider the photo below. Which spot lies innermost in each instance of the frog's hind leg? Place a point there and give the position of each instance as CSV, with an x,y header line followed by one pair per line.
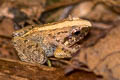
x,y
29,51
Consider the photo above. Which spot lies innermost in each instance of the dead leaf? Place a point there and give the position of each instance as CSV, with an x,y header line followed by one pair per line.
x,y
104,57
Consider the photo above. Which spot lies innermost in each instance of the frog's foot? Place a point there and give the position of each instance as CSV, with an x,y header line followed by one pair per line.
x,y
29,51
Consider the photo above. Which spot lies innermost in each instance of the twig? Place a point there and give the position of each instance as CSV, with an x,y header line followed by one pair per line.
x,y
61,4
71,64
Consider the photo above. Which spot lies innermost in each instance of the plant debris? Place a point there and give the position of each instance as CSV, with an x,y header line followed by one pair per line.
x,y
98,53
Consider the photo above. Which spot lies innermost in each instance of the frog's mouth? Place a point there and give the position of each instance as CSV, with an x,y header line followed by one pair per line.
x,y
75,36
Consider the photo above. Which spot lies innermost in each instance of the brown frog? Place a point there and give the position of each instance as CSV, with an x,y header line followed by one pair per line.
x,y
36,43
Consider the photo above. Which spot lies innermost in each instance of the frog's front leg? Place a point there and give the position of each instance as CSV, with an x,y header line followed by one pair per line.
x,y
62,53
61,50
29,51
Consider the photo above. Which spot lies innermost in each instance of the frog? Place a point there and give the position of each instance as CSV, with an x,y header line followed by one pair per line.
x,y
36,43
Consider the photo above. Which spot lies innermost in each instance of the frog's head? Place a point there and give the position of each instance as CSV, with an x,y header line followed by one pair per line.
x,y
77,32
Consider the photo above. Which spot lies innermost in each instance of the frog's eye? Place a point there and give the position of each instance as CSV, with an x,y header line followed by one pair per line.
x,y
74,30
77,32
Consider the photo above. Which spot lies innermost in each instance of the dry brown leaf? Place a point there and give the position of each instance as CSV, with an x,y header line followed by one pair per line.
x,y
104,57
113,4
22,8
94,11
6,27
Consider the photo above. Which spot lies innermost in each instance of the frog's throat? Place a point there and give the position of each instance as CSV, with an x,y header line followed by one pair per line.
x,y
63,24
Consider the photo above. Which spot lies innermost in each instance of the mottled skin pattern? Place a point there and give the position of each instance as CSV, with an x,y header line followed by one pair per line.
x,y
35,44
